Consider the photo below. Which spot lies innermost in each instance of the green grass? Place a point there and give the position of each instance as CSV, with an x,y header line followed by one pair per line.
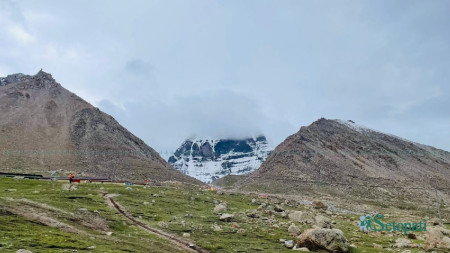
x,y
153,205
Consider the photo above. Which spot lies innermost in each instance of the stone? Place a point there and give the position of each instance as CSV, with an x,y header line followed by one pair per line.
x,y
300,249
332,240
412,236
220,208
377,246
294,230
299,216
186,235
109,233
23,251
163,224
253,215
278,208
437,238
216,228
402,243
289,244
226,217
322,221
319,205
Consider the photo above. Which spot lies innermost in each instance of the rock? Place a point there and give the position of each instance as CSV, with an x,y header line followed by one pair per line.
x,y
270,208
220,208
146,203
289,244
300,216
278,208
162,224
262,206
11,190
226,217
282,240
412,236
332,240
253,215
294,230
23,251
186,235
301,249
128,189
109,233
437,238
216,228
402,243
188,215
240,231
406,251
92,247
322,221
319,205
255,202
377,246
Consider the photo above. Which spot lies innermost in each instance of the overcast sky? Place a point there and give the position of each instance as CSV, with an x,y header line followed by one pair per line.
x,y
168,70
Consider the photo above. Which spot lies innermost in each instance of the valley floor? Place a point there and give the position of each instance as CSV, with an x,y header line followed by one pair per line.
x,y
50,216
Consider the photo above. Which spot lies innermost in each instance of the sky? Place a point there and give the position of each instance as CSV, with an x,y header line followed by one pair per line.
x,y
169,70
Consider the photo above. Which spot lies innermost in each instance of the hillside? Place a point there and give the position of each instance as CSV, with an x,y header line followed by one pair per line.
x,y
341,158
50,216
45,128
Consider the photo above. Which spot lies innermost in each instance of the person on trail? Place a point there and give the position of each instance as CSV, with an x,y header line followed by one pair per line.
x,y
71,178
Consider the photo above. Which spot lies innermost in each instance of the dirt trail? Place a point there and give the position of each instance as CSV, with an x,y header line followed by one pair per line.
x,y
186,245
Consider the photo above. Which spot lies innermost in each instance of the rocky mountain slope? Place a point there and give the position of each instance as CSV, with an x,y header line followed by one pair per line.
x,y
44,128
338,157
210,159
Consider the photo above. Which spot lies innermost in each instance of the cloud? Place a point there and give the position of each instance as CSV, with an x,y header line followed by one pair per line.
x,y
168,71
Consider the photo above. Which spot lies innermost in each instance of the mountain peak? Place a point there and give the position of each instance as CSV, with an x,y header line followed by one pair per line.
x,y
41,79
208,159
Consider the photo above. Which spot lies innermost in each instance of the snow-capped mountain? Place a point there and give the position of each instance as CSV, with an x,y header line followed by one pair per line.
x,y
210,159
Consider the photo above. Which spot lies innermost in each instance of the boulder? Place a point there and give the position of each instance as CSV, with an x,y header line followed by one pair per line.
x,y
319,205
220,208
289,244
299,216
23,251
322,221
332,240
226,217
402,243
437,238
294,230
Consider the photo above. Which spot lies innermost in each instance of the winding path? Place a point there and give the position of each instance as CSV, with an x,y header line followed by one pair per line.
x,y
184,244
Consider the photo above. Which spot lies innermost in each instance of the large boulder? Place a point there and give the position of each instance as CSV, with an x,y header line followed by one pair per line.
x,y
438,238
315,239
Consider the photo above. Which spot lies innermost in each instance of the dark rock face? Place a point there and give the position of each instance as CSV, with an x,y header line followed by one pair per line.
x,y
38,114
345,157
208,160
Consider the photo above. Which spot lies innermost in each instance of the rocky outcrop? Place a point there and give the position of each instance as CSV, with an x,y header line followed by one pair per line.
x,y
211,159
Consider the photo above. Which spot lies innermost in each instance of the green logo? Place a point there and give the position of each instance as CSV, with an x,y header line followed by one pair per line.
x,y
377,224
